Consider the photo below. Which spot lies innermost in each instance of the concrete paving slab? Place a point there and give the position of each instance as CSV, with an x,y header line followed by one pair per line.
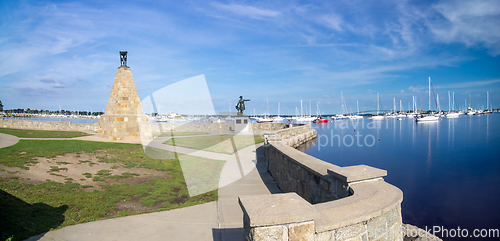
x,y
47,139
7,140
190,223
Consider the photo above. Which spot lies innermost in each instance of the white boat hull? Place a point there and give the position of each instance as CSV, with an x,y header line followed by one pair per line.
x,y
377,117
427,118
264,120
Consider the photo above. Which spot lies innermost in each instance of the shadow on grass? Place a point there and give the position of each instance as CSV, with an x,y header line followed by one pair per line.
x,y
21,220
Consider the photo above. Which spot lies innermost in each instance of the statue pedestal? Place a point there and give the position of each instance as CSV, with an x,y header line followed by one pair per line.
x,y
124,119
240,122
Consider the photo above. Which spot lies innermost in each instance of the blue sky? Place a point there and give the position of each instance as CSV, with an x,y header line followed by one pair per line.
x,y
65,53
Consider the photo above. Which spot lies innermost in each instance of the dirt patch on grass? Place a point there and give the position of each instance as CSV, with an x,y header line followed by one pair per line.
x,y
83,168
135,205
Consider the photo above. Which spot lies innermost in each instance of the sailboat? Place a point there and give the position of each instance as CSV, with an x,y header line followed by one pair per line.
x,y
377,117
429,117
266,118
401,115
393,114
304,118
488,110
356,115
452,113
343,107
319,119
278,118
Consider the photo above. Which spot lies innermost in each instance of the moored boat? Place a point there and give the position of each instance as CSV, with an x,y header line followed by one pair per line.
x,y
427,118
320,120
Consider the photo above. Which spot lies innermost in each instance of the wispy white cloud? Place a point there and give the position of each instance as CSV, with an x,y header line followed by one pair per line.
x,y
414,89
468,84
332,21
472,23
247,10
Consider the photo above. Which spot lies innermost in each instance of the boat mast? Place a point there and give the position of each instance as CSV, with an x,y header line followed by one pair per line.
x,y
267,111
487,100
378,102
413,104
416,107
278,109
342,102
449,101
429,93
310,109
301,109
394,100
453,107
438,104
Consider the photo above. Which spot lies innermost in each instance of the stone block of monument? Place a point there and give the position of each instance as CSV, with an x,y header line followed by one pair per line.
x,y
124,118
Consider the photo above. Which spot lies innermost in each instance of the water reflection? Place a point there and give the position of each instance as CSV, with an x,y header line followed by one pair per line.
x,y
429,151
447,170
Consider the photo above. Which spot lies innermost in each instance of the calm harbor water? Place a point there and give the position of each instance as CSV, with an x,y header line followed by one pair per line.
x,y
449,171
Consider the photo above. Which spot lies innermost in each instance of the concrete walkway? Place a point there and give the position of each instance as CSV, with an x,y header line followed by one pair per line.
x,y
7,140
220,221
46,139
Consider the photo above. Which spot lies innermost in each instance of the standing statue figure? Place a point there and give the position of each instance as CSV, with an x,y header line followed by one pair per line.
x,y
241,105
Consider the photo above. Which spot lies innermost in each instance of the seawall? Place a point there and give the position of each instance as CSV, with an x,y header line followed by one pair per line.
x,y
156,127
321,201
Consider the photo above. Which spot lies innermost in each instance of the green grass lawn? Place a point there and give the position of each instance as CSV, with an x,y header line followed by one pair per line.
x,y
31,209
180,133
217,143
22,133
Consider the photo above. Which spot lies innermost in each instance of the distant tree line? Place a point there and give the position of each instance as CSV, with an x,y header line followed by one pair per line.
x,y
55,112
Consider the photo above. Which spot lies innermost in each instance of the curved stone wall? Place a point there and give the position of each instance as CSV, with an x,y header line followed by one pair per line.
x,y
49,125
321,201
155,127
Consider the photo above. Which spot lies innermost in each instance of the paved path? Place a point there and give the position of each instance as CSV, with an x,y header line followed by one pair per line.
x,y
220,221
7,140
46,139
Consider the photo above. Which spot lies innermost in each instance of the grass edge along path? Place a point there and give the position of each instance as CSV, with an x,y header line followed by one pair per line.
x,y
216,143
180,133
36,208
26,133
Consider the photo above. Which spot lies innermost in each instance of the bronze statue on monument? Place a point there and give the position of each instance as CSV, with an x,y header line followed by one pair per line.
x,y
123,58
240,106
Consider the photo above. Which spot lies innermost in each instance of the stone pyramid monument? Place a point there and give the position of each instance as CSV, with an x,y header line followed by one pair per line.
x,y
124,118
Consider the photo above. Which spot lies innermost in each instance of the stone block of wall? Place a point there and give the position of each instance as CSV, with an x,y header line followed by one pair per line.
x,y
296,176
49,125
266,126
